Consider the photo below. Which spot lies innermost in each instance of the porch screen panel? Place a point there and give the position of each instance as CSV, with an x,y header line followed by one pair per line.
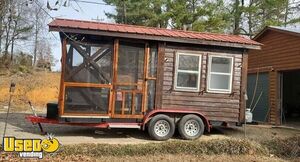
x,y
152,71
131,63
89,63
86,100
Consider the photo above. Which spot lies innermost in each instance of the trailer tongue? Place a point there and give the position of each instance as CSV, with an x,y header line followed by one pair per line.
x,y
45,120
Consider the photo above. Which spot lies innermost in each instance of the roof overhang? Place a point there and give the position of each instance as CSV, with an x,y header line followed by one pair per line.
x,y
150,37
270,28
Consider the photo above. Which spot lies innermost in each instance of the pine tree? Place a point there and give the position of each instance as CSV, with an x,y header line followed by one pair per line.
x,y
139,12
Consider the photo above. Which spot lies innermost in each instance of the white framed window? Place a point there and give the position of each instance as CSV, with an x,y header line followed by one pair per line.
x,y
187,72
220,73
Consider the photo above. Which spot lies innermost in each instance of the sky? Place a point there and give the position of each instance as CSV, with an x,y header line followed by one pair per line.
x,y
84,11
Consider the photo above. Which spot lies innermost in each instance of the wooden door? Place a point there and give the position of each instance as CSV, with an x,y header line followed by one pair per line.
x,y
130,80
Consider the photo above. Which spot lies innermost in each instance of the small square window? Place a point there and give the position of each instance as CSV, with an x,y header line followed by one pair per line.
x,y
187,72
220,71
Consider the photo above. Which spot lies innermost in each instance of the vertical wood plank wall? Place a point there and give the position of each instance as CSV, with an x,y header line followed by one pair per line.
x,y
280,52
160,75
216,106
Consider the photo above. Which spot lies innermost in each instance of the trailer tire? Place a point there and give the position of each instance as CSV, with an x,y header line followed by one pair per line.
x,y
161,127
190,127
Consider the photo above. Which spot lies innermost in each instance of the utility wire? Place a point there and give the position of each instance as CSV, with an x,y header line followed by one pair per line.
x,y
91,2
53,18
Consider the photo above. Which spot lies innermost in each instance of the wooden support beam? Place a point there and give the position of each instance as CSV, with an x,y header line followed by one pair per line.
x,y
133,103
87,85
243,87
114,80
61,101
123,102
145,82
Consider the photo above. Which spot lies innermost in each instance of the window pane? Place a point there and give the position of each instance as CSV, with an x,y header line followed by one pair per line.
x,y
188,62
221,65
187,80
219,82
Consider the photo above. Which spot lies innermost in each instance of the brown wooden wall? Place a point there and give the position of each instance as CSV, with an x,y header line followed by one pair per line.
x,y
216,106
280,52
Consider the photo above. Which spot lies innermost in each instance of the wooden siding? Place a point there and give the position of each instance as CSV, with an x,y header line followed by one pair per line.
x,y
280,52
216,106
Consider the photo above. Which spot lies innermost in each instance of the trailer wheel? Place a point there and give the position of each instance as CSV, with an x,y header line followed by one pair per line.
x,y
190,127
161,127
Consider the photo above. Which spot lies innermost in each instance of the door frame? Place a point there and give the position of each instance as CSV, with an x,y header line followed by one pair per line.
x,y
280,96
113,90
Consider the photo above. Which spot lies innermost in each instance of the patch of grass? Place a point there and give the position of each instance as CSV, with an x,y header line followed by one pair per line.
x,y
214,147
286,148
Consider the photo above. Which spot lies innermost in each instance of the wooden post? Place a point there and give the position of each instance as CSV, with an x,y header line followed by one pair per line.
x,y
61,97
145,82
273,98
115,69
243,87
133,103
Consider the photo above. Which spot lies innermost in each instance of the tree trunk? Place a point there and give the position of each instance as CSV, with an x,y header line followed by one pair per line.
x,y
237,17
124,12
8,28
1,20
13,42
2,15
250,25
35,40
7,36
286,12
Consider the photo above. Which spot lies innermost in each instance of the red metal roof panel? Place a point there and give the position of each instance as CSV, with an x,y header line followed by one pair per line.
x,y
122,28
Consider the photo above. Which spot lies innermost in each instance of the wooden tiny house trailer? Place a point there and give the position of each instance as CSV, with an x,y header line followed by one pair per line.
x,y
275,71
150,77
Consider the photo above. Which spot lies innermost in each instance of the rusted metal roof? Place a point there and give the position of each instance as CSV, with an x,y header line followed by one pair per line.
x,y
60,24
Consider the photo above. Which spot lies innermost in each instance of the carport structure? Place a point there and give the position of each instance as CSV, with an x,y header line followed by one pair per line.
x,y
274,77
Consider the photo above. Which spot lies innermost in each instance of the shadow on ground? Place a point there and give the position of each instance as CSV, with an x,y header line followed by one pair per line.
x,y
17,124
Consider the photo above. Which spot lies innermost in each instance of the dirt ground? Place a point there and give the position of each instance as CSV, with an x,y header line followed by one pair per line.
x,y
17,126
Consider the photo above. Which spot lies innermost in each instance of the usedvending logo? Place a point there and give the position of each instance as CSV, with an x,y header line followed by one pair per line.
x,y
31,148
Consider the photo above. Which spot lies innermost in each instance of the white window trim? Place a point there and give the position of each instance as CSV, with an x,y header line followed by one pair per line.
x,y
213,90
189,89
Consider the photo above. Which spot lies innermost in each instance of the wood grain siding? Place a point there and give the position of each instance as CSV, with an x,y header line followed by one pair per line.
x,y
280,52
216,106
